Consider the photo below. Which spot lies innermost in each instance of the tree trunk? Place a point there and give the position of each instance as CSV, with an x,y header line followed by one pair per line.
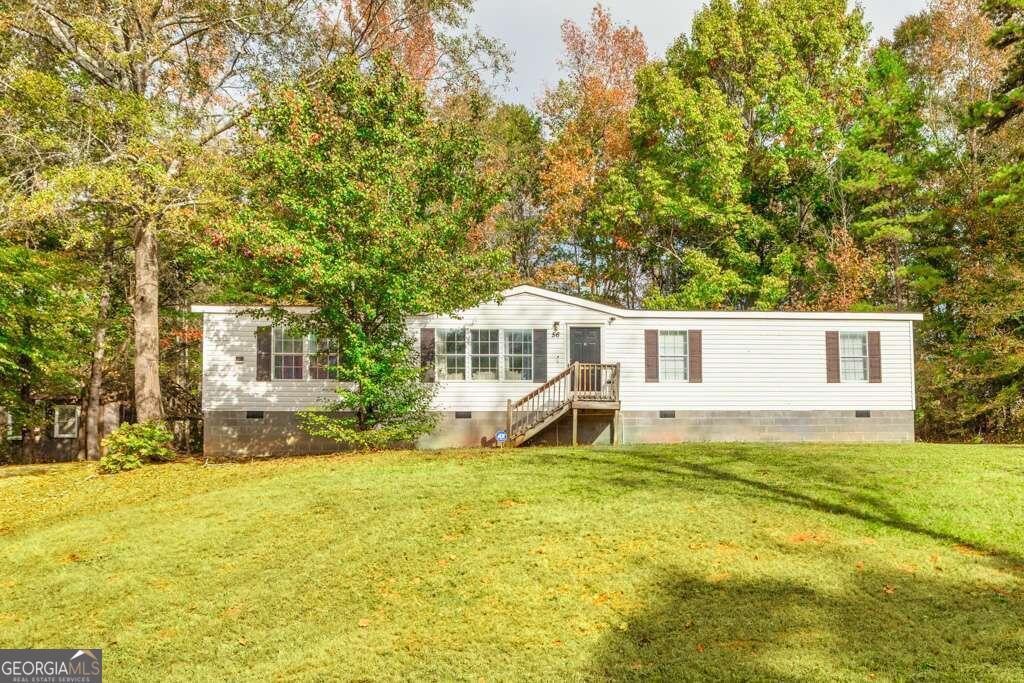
x,y
148,405
93,407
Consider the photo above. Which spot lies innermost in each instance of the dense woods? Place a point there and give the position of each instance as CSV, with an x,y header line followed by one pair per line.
x,y
358,156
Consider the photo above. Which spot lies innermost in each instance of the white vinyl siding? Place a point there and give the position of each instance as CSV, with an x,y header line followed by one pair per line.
x,y
519,355
749,362
484,354
65,422
673,356
853,356
451,354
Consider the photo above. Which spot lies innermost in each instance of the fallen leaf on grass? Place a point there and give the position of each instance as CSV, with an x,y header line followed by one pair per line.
x,y
860,564
889,590
807,537
700,647
363,623
968,549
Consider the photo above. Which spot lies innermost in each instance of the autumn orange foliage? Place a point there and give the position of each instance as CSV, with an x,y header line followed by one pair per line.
x,y
588,112
378,26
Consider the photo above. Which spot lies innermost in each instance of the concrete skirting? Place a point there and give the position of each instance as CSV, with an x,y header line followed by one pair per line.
x,y
238,434
887,426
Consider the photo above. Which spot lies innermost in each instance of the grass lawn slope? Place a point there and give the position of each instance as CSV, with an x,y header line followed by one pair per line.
x,y
791,563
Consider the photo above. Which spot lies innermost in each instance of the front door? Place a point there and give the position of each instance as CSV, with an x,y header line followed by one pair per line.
x,y
585,347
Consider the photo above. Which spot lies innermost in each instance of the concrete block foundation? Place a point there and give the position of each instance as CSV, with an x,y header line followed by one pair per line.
x,y
241,434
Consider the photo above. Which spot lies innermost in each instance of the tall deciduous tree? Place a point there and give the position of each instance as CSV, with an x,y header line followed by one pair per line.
x,y
190,68
514,149
365,206
587,116
965,269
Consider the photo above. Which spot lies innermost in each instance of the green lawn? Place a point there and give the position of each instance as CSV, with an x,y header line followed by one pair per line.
x,y
794,563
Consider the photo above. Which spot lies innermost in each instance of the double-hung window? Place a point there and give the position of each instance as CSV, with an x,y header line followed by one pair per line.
x,y
450,349
853,356
288,354
519,355
484,354
65,422
673,355
323,358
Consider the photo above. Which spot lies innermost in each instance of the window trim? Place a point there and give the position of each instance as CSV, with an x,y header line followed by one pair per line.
x,y
440,354
506,355
685,334
309,353
57,434
497,355
502,355
274,353
865,357
314,351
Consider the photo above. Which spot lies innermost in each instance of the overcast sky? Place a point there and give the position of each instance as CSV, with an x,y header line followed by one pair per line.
x,y
531,29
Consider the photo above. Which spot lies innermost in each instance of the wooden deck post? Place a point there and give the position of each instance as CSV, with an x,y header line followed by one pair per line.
x,y
508,418
575,432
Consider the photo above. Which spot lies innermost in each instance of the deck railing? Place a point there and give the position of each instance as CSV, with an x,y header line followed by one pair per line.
x,y
579,382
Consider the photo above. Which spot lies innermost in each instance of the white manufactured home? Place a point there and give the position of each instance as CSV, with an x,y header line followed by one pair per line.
x,y
545,367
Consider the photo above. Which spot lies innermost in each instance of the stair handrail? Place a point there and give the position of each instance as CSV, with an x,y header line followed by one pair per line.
x,y
547,385
535,405
586,381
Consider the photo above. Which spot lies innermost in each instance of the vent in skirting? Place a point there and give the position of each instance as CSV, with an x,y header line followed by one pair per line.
x,y
254,415
666,413
463,414
863,413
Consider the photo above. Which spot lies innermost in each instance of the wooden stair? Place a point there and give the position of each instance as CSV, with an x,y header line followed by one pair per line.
x,y
581,386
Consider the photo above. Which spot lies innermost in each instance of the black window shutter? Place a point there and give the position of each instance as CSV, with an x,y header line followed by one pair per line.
x,y
540,355
427,353
263,356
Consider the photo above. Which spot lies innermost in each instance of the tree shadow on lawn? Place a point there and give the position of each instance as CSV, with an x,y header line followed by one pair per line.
x,y
878,624
862,500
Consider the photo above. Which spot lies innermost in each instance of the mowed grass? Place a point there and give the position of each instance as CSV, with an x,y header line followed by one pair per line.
x,y
742,562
